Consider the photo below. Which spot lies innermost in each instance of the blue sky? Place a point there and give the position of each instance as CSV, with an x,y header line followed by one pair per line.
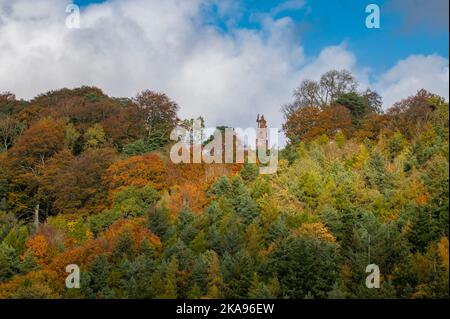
x,y
323,23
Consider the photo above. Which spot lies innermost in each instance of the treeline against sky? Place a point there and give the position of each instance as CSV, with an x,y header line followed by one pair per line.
x,y
86,179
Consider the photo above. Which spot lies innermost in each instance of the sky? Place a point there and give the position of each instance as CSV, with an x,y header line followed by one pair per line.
x,y
225,60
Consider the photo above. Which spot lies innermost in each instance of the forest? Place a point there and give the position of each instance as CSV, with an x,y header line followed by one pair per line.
x,y
86,179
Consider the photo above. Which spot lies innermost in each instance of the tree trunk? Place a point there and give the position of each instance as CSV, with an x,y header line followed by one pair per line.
x,y
36,217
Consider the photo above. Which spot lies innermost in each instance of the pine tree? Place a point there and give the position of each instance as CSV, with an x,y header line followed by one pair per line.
x,y
158,222
249,171
195,292
215,279
170,288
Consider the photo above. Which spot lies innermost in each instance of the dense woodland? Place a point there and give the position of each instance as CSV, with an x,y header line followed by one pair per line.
x,y
86,179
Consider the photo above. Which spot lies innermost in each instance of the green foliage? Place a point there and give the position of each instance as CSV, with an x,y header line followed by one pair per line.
x,y
134,201
374,192
305,265
101,221
249,172
156,140
359,104
158,222
16,238
9,262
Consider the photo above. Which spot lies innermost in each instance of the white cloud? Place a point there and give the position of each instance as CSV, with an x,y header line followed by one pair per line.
x,y
288,5
124,47
411,74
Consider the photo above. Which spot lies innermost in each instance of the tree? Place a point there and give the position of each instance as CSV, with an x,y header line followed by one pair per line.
x,y
187,196
99,273
134,201
249,171
77,185
377,242
73,138
28,158
42,284
238,270
10,129
335,119
38,247
409,115
360,105
161,112
158,221
215,280
126,125
199,243
315,230
259,290
155,141
135,171
321,93
371,126
94,136
170,290
39,143
305,265
9,262
8,103
308,123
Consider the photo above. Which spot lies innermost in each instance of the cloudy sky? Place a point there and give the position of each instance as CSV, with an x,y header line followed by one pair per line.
x,y
226,60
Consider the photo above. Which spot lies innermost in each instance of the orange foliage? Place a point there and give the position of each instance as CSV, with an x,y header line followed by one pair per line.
x,y
136,171
39,142
39,247
83,255
204,174
190,196
311,122
136,227
190,182
372,125
75,182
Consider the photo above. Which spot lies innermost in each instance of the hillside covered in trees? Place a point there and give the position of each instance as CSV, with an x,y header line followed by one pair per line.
x,y
86,179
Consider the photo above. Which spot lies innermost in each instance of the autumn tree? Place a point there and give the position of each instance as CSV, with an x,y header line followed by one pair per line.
x,y
136,171
160,111
28,158
310,122
10,129
409,115
76,183
321,93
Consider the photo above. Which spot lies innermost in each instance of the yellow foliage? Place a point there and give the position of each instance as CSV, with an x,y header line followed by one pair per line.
x,y
316,230
42,284
269,209
443,251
